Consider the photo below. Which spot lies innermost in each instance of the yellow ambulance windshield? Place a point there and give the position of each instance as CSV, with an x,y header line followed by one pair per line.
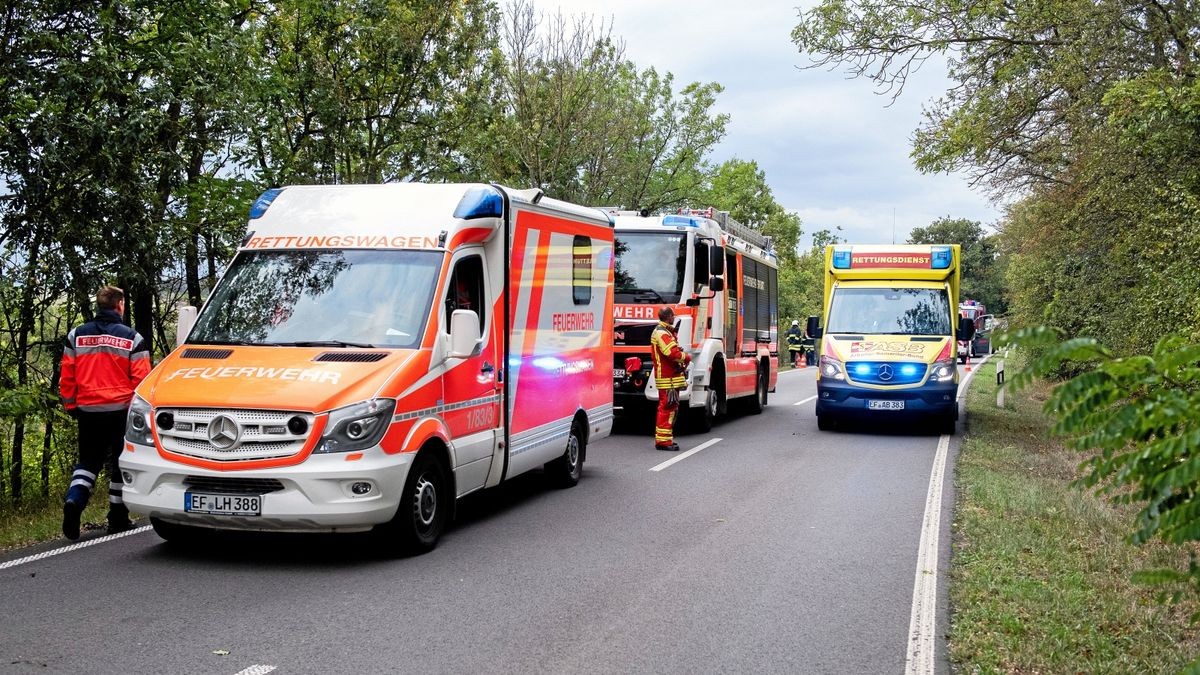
x,y
360,298
889,311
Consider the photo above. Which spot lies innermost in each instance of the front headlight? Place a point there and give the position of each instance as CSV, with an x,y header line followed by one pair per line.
x,y
831,368
943,371
358,426
137,423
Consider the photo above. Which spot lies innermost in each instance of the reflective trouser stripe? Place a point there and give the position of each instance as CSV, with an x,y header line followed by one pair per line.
x,y
677,382
664,427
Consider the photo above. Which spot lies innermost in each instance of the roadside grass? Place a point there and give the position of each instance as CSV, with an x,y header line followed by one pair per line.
x,y
42,521
1040,573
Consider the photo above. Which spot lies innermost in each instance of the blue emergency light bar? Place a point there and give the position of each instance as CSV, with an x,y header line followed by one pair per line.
x,y
841,258
480,202
941,258
260,205
682,221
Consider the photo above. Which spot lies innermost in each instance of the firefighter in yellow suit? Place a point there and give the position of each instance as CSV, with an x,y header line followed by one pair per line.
x,y
670,375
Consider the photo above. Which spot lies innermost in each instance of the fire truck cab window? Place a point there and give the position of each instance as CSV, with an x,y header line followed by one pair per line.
x,y
649,266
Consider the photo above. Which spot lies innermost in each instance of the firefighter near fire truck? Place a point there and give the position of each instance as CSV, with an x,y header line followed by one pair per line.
x,y
670,376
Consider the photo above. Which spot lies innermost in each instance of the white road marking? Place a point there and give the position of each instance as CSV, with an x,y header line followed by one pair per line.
x,y
256,670
810,398
72,547
796,370
921,623
682,456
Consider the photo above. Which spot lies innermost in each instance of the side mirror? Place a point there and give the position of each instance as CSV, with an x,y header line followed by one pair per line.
x,y
464,333
716,284
716,260
187,319
814,327
966,328
700,255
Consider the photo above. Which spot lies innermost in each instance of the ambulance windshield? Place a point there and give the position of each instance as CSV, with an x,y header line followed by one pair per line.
x,y
322,298
890,311
649,267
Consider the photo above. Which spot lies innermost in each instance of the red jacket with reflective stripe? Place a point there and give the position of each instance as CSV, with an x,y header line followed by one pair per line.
x,y
103,361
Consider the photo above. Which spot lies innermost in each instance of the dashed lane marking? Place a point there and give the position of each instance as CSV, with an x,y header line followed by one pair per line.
x,y
256,670
810,398
73,547
682,456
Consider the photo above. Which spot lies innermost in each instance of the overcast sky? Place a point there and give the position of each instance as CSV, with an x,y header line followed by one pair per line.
x,y
833,151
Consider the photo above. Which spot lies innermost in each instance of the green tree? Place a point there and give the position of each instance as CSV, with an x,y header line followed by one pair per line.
x,y
982,279
583,123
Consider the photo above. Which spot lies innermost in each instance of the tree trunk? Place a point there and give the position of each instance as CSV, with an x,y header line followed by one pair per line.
x,y
14,478
47,451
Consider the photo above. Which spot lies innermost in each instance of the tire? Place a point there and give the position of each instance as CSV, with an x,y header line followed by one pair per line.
x,y
826,422
948,425
760,393
565,471
175,533
702,419
424,511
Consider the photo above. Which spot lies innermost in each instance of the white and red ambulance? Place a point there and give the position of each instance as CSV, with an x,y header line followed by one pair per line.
x,y
374,352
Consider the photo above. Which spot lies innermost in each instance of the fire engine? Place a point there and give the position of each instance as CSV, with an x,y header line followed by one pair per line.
x,y
375,352
981,342
721,280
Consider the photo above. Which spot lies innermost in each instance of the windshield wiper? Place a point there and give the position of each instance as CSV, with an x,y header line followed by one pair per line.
x,y
643,294
321,343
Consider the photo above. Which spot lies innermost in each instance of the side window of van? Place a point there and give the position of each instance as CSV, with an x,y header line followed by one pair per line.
x,y
466,289
581,270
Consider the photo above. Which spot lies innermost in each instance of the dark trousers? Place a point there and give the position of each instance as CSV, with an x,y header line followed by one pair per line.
x,y
101,436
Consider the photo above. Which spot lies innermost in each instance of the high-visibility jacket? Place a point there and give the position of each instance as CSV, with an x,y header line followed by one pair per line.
x,y
795,339
669,359
103,361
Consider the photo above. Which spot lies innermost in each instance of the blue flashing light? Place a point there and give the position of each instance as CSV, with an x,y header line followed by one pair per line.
x,y
841,258
480,202
941,258
908,370
260,205
862,369
682,221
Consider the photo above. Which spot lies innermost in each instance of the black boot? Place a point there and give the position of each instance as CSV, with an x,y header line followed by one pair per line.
x,y
118,519
71,513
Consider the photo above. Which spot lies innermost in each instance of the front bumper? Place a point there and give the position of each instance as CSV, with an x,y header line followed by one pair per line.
x,y
315,495
939,398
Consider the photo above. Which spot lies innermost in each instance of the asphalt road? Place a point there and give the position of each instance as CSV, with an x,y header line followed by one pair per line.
x,y
778,548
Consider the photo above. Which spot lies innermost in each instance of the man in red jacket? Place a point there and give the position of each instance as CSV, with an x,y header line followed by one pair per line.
x,y
103,361
670,375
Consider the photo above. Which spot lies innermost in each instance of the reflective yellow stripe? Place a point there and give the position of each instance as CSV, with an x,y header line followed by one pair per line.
x,y
678,382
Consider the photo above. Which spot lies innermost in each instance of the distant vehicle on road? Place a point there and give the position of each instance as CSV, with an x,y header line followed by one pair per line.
x,y
887,334
375,352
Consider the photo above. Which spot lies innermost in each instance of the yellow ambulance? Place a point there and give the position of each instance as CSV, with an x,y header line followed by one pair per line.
x,y
887,334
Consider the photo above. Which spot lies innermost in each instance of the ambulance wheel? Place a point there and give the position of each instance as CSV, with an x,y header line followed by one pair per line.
x,y
175,533
826,422
565,471
760,393
948,424
424,509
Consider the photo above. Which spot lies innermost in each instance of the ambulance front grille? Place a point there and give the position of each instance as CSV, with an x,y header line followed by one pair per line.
x,y
253,434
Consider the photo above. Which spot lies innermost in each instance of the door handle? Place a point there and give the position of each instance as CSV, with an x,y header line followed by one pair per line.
x,y
487,368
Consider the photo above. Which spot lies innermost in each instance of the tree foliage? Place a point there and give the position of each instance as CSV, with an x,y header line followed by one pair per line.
x,y
982,274
1138,418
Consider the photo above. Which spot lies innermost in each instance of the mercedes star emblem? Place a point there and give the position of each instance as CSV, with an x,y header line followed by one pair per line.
x,y
223,432
885,374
